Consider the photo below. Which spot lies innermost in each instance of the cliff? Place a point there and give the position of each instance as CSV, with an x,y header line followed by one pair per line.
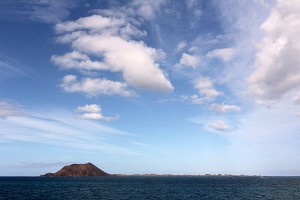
x,y
79,170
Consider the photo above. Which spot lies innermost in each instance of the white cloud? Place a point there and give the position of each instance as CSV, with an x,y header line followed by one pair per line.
x,y
89,108
94,86
277,60
9,67
148,9
224,108
135,10
7,109
93,111
134,59
296,99
181,45
193,99
219,125
195,11
98,116
206,92
97,24
193,49
95,116
60,128
225,54
206,88
108,41
94,23
188,61
77,60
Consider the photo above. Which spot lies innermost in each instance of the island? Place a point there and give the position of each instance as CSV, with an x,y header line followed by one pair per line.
x,y
90,170
78,170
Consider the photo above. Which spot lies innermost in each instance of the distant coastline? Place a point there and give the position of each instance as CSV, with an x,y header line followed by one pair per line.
x,y
90,170
188,175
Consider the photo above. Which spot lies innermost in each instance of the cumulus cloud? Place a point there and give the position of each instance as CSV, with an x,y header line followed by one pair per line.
x,y
134,59
93,111
224,108
7,109
206,92
77,60
225,54
89,108
277,60
109,41
206,88
94,86
188,61
218,125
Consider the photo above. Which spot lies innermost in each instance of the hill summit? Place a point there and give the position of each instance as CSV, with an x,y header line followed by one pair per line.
x,y
79,170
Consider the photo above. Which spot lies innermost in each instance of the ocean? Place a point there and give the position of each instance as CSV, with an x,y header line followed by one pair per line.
x,y
139,188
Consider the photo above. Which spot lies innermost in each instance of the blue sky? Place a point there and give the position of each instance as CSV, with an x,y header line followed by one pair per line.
x,y
181,87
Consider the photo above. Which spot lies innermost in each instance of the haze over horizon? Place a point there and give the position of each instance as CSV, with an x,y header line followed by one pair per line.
x,y
164,87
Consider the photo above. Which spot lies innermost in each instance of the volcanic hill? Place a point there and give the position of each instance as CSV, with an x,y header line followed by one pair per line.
x,y
78,170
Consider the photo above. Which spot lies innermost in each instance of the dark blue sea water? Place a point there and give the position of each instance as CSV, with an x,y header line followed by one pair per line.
x,y
150,188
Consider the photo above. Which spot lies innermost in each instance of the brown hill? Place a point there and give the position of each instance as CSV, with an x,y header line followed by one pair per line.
x,y
79,170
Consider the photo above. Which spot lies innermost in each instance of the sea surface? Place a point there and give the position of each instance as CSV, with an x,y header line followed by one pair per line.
x,y
169,187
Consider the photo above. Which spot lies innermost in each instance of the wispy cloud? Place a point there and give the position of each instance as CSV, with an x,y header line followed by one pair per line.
x,y
50,11
270,133
61,128
11,68
9,109
225,54
221,108
40,164
147,9
181,45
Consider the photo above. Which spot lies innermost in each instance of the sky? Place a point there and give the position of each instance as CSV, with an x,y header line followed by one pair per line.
x,y
163,86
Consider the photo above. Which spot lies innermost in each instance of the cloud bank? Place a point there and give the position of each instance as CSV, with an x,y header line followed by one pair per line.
x,y
277,60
